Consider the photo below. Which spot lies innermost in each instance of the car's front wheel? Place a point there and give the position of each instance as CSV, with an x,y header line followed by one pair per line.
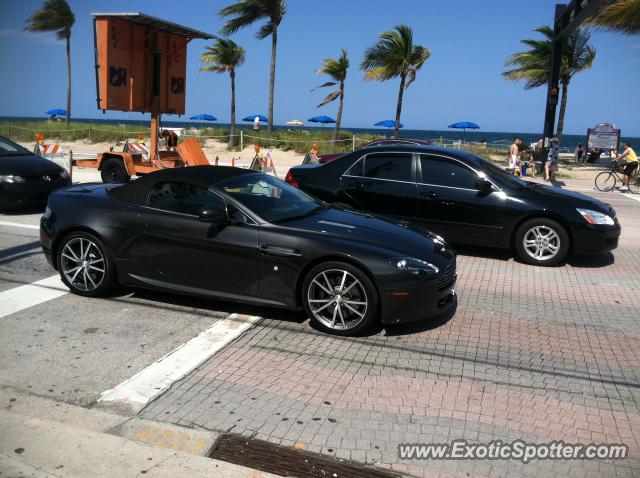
x,y
339,298
85,264
542,242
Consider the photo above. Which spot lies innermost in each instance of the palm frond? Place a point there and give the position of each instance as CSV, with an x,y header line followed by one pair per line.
x,y
622,16
245,13
54,16
329,98
223,56
328,83
393,55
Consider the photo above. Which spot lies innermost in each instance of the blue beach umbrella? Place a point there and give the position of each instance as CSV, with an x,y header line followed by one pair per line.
x,y
464,125
204,117
321,119
388,124
56,112
251,118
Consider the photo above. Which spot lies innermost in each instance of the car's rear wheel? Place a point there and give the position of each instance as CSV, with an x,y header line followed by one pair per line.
x,y
542,242
113,171
85,264
605,181
339,298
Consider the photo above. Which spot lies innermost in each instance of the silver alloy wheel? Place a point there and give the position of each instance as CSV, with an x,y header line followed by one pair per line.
x,y
337,299
82,264
541,242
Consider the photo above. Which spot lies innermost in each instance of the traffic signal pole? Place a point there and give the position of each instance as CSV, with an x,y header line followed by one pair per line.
x,y
567,19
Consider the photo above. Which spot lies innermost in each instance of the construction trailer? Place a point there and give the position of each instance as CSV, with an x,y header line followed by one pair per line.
x,y
141,66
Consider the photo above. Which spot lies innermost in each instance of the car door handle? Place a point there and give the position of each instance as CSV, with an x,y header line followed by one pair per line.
x,y
279,251
358,185
429,194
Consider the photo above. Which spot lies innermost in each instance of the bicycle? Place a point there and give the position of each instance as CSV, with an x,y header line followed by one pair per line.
x,y
607,180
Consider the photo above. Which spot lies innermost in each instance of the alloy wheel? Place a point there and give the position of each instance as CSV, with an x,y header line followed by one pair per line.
x,y
541,243
337,299
82,264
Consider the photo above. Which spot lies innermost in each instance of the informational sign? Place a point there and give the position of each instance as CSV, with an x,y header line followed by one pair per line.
x,y
603,136
138,66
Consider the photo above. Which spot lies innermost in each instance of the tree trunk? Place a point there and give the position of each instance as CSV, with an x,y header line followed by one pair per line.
x,y
232,133
68,78
272,77
339,117
396,131
563,107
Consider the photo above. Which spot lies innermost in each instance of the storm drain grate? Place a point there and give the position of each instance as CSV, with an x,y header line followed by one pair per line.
x,y
285,461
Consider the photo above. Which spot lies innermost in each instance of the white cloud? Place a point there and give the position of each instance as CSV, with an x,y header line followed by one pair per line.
x,y
39,37
633,60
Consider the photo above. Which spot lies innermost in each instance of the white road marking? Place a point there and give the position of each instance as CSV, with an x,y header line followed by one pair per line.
x,y
150,382
17,224
632,196
25,296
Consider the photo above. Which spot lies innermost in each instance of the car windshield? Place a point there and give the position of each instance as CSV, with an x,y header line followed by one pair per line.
x,y
270,198
9,148
501,177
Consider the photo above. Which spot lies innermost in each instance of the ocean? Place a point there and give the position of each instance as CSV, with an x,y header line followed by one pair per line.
x,y
569,141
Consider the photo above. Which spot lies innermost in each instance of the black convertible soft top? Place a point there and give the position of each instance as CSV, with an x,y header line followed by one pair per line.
x,y
203,176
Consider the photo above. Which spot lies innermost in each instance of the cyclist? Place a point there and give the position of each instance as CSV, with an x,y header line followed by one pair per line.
x,y
631,164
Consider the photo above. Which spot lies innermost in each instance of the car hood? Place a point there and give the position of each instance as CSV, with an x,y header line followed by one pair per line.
x,y
398,237
26,165
551,193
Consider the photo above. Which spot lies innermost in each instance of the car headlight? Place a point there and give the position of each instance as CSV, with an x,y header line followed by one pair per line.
x,y
595,217
64,174
11,178
416,266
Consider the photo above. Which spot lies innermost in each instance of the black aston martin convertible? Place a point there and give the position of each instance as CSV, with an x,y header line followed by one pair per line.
x,y
238,235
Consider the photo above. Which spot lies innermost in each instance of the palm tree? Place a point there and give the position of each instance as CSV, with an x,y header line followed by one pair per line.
x,y
56,16
621,16
336,69
395,55
533,66
224,57
247,12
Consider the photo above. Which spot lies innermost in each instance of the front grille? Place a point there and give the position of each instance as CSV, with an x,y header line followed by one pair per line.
x,y
448,277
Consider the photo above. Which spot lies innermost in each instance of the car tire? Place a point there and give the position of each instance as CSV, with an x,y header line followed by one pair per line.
x,y
86,265
113,171
346,311
542,242
342,205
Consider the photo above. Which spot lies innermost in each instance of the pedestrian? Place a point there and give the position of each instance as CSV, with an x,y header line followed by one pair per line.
x,y
171,139
513,156
256,123
580,153
631,166
551,165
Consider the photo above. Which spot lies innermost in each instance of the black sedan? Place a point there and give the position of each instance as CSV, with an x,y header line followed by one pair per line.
x,y
466,199
26,179
238,235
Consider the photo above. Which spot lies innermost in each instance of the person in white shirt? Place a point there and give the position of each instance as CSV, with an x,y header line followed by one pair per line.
x,y
513,155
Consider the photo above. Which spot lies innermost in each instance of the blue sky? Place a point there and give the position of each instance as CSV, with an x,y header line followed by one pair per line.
x,y
469,40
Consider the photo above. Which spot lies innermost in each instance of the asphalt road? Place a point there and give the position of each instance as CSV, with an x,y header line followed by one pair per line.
x,y
73,348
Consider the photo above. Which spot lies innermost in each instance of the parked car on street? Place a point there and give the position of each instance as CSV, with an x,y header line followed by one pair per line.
x,y
465,199
326,158
234,234
26,180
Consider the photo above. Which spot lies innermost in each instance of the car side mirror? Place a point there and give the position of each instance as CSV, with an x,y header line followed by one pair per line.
x,y
213,215
484,185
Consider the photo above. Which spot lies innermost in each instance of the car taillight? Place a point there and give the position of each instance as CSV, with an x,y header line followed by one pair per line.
x,y
291,179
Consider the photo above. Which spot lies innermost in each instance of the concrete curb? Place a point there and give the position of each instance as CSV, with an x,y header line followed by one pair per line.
x,y
42,437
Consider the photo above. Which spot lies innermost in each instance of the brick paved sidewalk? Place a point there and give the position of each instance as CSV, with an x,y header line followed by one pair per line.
x,y
533,353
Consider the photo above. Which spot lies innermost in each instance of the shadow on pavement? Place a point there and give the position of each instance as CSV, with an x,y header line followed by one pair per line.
x,y
23,211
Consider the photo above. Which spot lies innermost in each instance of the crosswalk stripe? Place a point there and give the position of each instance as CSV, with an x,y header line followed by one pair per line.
x,y
20,298
135,392
17,224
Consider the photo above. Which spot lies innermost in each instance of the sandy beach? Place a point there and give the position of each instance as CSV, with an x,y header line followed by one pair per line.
x,y
282,160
